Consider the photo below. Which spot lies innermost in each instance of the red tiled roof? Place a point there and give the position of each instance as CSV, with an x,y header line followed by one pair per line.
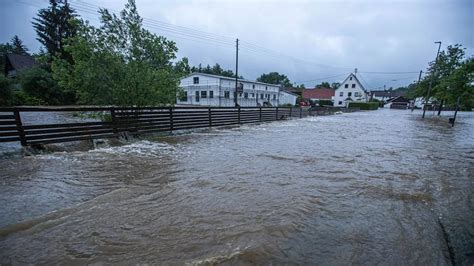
x,y
319,93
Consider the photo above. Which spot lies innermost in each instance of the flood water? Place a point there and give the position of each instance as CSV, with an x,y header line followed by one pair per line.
x,y
378,187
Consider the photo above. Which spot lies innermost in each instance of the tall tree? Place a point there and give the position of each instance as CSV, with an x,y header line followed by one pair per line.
x,y
54,25
17,46
275,78
120,63
323,85
335,85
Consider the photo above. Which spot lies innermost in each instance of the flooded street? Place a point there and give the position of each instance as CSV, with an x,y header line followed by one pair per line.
x,y
379,187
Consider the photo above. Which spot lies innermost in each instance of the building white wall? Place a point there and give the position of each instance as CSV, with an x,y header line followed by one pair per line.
x,y
287,98
350,88
254,93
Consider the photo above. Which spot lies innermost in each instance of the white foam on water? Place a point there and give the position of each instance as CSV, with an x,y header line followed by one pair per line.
x,y
143,148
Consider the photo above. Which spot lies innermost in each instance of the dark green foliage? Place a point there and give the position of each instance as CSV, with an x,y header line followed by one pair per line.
x,y
451,77
275,78
5,91
335,85
39,87
364,106
120,63
214,70
54,25
325,102
323,85
17,46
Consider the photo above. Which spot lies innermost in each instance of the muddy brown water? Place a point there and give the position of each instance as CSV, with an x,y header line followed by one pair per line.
x,y
379,187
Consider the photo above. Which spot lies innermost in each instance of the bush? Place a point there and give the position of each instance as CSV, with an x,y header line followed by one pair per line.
x,y
364,106
37,83
325,103
5,91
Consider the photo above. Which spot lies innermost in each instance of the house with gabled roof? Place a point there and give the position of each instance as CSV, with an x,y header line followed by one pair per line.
x,y
16,63
318,94
350,90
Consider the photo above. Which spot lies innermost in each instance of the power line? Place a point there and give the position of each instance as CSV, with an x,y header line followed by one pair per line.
x,y
305,81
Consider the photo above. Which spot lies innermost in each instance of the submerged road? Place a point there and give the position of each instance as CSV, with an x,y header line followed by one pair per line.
x,y
379,187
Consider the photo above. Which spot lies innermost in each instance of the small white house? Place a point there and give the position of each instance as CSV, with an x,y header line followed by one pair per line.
x,y
212,90
350,90
287,97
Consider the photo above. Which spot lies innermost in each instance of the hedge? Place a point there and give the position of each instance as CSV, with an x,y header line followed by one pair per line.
x,y
364,106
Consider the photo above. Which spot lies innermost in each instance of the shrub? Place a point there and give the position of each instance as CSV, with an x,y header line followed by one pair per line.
x,y
325,102
364,106
5,91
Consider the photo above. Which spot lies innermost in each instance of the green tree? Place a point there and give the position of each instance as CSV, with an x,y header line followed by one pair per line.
x,y
323,85
275,78
335,85
120,63
38,83
5,91
54,25
17,46
214,70
5,48
450,77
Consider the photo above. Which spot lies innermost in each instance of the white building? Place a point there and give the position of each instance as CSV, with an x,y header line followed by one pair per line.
x,y
212,90
287,97
350,90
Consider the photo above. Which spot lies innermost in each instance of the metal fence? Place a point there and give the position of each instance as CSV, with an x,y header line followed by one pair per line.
x,y
134,121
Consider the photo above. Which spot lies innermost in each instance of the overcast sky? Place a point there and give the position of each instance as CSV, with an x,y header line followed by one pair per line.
x,y
306,40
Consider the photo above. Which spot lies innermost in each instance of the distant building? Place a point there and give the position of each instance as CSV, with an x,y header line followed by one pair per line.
x,y
350,90
287,97
318,94
398,102
385,95
16,63
212,90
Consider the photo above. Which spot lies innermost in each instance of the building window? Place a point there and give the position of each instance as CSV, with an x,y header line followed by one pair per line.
x,y
341,94
349,94
196,80
353,85
246,95
340,103
253,86
253,95
197,96
240,95
203,94
226,94
261,96
211,94
266,87
184,96
346,86
356,94
350,78
274,97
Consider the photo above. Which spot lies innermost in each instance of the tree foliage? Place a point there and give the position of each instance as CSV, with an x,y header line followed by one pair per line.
x,y
17,46
275,78
451,76
323,85
120,63
38,83
214,70
54,25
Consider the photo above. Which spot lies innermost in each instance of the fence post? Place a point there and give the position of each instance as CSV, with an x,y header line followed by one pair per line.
x,y
260,114
171,118
276,115
19,127
301,112
210,117
114,122
291,108
238,116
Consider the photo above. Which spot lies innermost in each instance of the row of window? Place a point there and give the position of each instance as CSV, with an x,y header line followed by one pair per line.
x,y
349,94
196,81
204,94
347,85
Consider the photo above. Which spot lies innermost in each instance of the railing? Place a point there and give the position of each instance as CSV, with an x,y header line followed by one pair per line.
x,y
134,121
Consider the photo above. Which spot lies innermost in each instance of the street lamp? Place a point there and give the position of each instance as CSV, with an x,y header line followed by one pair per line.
x,y
431,81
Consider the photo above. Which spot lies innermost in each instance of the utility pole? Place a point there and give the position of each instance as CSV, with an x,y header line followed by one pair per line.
x,y
431,81
417,84
236,70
